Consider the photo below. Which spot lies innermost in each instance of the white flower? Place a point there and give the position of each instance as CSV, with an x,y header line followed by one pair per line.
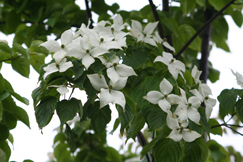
x,y
239,78
62,89
196,74
109,93
116,70
167,45
174,66
54,67
188,108
60,50
179,132
4,41
203,95
164,99
86,52
143,35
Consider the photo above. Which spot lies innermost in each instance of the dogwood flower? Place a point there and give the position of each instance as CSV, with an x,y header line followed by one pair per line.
x,y
60,50
86,52
109,93
164,99
174,66
196,74
116,70
62,89
203,95
179,132
54,67
188,108
143,35
239,78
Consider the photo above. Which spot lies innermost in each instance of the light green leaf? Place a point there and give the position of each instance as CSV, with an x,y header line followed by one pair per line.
x,y
216,130
68,109
19,50
218,5
22,116
4,95
5,48
36,61
45,110
10,138
201,2
70,138
20,98
188,6
168,150
188,32
196,151
217,152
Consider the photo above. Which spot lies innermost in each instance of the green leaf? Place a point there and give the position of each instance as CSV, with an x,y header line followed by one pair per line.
x,y
4,132
154,116
20,98
61,153
2,85
218,5
168,150
216,130
196,151
217,152
19,50
22,116
115,126
68,109
21,65
213,74
201,2
227,99
237,17
239,108
1,111
77,68
100,118
4,95
45,110
70,138
164,133
188,6
187,32
5,48
135,57
9,119
36,61
6,151
137,125
127,115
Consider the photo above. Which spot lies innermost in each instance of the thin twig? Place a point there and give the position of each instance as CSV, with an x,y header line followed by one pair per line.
x,y
202,28
156,17
142,141
88,14
234,130
231,117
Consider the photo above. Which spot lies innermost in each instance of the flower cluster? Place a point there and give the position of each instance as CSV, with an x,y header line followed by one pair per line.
x,y
187,107
88,45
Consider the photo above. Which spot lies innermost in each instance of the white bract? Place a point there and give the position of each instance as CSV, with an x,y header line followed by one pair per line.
x,y
164,99
54,67
196,74
239,78
174,66
109,93
180,132
143,35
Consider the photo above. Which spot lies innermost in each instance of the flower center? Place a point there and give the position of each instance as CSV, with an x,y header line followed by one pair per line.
x,y
115,64
62,46
172,60
58,66
206,98
87,51
110,87
101,39
189,105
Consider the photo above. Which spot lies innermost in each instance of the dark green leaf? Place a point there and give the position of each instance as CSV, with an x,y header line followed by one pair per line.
x,y
5,48
77,68
4,95
36,60
217,152
20,98
196,151
4,132
68,109
201,2
100,117
135,57
21,64
115,126
154,116
70,138
1,111
239,108
168,150
2,85
213,75
137,125
9,119
45,110
218,4
237,17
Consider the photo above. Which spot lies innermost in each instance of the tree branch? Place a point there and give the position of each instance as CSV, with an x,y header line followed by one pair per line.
x,y
88,14
203,27
142,141
166,8
156,17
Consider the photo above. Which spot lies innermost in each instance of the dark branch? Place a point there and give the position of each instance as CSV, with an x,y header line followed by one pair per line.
x,y
156,17
166,8
88,14
202,28
142,141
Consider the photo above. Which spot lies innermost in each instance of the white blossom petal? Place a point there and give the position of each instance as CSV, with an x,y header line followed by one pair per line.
x,y
62,89
112,74
165,86
149,28
167,45
164,105
137,25
121,83
87,61
118,98
193,115
51,45
172,120
67,37
65,65
97,81
124,70
175,135
189,135
154,97
105,97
